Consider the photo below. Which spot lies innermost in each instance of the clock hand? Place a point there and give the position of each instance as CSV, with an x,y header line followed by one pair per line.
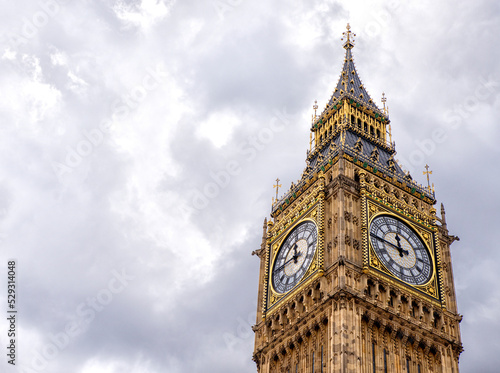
x,y
383,240
401,251
283,265
295,256
399,248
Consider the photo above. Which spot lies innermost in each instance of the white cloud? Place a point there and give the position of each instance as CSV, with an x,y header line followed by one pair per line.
x,y
76,83
9,54
59,58
218,127
102,366
219,81
143,15
29,95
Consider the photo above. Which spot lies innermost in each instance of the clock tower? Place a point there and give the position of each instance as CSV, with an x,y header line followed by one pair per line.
x,y
355,271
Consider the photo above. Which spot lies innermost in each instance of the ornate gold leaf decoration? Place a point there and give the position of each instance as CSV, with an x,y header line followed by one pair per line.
x,y
372,206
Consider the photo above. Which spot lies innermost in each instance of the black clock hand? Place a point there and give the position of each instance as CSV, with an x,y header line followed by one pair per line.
x,y
295,255
294,258
399,248
401,251
383,240
284,265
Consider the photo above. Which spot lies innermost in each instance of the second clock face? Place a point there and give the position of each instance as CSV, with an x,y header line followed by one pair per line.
x,y
294,257
401,250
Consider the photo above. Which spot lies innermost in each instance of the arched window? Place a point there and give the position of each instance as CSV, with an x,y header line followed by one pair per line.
x,y
373,358
385,362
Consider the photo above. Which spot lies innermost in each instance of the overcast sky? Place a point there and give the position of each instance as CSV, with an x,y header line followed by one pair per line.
x,y
140,141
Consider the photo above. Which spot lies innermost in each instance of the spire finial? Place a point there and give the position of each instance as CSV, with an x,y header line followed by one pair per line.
x,y
315,107
443,216
427,172
277,186
384,100
349,36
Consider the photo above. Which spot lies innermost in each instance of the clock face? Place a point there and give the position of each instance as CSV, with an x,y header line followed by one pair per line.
x,y
294,257
401,250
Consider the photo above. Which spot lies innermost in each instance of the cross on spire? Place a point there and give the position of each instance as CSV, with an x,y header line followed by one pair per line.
x,y
427,172
349,36
277,186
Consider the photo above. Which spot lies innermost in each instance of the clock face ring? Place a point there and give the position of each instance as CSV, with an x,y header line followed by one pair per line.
x,y
400,249
294,257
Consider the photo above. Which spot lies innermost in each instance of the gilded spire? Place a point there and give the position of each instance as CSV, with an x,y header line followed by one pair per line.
x,y
349,83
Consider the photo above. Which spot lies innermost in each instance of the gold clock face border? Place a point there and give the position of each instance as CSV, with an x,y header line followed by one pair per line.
x,y
408,223
314,269
279,247
432,287
278,243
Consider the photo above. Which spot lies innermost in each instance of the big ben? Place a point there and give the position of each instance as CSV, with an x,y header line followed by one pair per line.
x,y
355,272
